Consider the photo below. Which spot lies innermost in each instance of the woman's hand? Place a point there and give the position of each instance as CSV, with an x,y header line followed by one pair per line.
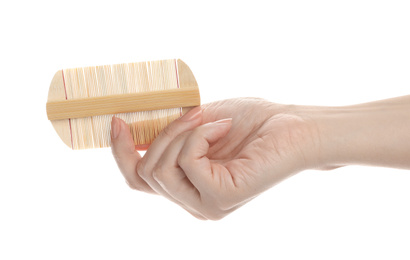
x,y
219,156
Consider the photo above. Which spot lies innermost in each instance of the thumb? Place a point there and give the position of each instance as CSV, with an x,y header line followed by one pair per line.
x,y
123,149
193,156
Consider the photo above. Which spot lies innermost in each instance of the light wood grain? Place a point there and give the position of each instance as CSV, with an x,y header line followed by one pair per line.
x,y
139,93
57,93
115,104
186,80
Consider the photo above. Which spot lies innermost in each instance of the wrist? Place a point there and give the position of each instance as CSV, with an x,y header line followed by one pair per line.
x,y
375,134
338,135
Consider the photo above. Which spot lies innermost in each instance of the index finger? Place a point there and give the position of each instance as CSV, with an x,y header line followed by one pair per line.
x,y
187,122
125,155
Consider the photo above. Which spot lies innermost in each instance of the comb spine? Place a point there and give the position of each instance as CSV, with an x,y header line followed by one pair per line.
x,y
114,104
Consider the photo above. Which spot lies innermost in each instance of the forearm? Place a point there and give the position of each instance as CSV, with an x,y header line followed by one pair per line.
x,y
376,134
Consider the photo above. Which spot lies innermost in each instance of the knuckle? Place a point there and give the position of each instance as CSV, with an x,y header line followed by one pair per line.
x,y
158,174
183,159
198,132
168,132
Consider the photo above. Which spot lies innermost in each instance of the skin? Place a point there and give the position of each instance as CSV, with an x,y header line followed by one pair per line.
x,y
219,156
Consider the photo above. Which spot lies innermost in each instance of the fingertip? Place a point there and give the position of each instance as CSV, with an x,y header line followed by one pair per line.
x,y
121,136
142,147
115,127
192,115
218,129
198,143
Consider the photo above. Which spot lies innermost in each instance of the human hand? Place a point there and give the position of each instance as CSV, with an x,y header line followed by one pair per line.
x,y
219,156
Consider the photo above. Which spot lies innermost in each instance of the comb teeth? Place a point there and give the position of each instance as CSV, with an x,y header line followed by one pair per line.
x,y
94,132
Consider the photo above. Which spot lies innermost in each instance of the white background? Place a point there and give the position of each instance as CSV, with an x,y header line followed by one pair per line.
x,y
61,204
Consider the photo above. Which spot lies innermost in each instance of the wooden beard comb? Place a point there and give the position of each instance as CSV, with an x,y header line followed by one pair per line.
x,y
146,95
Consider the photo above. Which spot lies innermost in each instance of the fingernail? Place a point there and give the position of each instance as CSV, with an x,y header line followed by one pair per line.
x,y
225,121
193,114
115,127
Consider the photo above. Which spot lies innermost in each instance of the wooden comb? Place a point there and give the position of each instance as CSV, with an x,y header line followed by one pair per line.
x,y
146,95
